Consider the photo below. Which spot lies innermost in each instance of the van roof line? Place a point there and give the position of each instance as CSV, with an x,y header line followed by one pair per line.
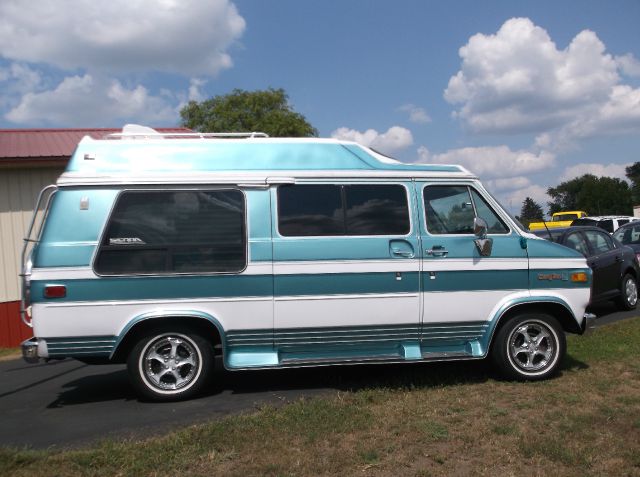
x,y
141,154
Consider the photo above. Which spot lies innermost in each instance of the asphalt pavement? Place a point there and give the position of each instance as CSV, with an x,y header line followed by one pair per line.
x,y
69,404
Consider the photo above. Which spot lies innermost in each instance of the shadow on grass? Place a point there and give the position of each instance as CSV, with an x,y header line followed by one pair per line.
x,y
293,383
571,363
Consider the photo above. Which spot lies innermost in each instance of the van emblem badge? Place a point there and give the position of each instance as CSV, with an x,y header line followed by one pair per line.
x,y
553,276
126,241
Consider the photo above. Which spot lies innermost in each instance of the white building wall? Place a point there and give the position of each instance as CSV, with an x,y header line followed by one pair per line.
x,y
19,189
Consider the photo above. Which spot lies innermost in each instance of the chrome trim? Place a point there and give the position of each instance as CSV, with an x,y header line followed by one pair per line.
x,y
30,350
26,264
588,323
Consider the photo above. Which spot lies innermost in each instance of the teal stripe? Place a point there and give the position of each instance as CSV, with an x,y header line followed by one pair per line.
x,y
226,286
79,346
345,284
158,288
467,280
541,279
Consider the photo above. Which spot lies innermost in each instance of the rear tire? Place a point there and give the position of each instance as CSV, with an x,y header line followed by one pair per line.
x,y
628,299
529,347
170,364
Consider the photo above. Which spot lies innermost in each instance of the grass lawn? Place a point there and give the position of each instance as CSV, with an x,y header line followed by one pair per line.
x,y
9,352
445,422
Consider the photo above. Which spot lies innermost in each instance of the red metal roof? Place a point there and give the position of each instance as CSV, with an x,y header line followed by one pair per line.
x,y
52,143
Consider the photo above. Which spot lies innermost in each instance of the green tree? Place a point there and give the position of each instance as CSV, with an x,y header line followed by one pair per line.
x,y
266,111
633,174
596,195
531,212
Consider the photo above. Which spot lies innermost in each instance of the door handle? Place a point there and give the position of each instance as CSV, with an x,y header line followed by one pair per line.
x,y
437,251
402,253
618,258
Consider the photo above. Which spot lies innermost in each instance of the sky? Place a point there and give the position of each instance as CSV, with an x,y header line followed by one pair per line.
x,y
524,94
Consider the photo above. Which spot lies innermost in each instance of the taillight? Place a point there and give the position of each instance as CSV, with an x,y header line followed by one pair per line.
x,y
55,291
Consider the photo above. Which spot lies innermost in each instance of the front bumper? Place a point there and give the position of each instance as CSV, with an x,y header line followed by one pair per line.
x,y
588,323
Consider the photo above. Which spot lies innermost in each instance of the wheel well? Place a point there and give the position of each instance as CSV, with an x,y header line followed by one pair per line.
x,y
631,272
558,311
201,326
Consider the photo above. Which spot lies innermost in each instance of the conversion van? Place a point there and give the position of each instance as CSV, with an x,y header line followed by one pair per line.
x,y
168,252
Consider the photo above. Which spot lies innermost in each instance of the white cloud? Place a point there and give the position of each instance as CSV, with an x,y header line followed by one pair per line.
x,y
518,81
599,170
416,114
188,37
395,139
508,184
629,64
88,100
490,162
514,198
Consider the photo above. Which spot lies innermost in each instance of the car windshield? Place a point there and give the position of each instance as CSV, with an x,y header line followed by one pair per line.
x,y
628,235
558,218
585,222
551,234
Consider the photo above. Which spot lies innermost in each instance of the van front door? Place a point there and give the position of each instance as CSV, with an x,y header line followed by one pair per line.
x,y
460,286
346,271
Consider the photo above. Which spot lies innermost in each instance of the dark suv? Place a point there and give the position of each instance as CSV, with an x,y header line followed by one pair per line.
x,y
615,266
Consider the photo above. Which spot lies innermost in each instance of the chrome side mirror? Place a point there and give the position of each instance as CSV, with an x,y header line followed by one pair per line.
x,y
480,227
483,244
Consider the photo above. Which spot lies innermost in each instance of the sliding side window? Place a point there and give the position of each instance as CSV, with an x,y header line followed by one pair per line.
x,y
332,210
158,232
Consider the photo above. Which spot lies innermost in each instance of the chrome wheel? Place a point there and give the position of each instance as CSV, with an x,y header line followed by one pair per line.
x,y
532,346
170,363
631,291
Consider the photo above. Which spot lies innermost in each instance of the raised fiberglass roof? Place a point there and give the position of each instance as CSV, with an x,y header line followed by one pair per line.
x,y
147,157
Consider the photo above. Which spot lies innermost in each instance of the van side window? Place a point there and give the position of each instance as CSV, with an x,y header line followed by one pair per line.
x,y
333,210
451,209
495,224
153,232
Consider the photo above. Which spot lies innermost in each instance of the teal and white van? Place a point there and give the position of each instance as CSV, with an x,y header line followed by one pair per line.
x,y
170,252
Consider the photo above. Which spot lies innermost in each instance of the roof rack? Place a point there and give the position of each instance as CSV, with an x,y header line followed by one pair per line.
x,y
137,131
157,135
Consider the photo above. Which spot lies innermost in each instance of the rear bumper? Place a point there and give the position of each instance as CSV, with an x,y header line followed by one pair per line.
x,y
33,349
588,323
30,350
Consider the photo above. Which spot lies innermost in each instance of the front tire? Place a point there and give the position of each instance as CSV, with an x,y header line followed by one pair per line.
x,y
529,347
629,293
170,365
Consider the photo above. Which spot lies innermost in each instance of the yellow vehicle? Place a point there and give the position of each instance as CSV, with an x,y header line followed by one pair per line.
x,y
559,219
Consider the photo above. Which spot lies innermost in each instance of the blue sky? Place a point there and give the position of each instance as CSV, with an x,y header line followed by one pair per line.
x,y
525,94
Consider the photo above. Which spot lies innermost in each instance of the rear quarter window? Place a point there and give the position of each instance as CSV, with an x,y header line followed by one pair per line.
x,y
159,232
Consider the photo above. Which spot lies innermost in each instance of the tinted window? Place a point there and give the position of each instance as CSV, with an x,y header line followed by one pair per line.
x,y
174,232
606,225
584,222
329,210
450,210
621,222
600,242
307,210
376,210
628,235
577,242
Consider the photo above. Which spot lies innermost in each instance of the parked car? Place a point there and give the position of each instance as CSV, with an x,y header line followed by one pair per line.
x,y
629,235
610,223
615,266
